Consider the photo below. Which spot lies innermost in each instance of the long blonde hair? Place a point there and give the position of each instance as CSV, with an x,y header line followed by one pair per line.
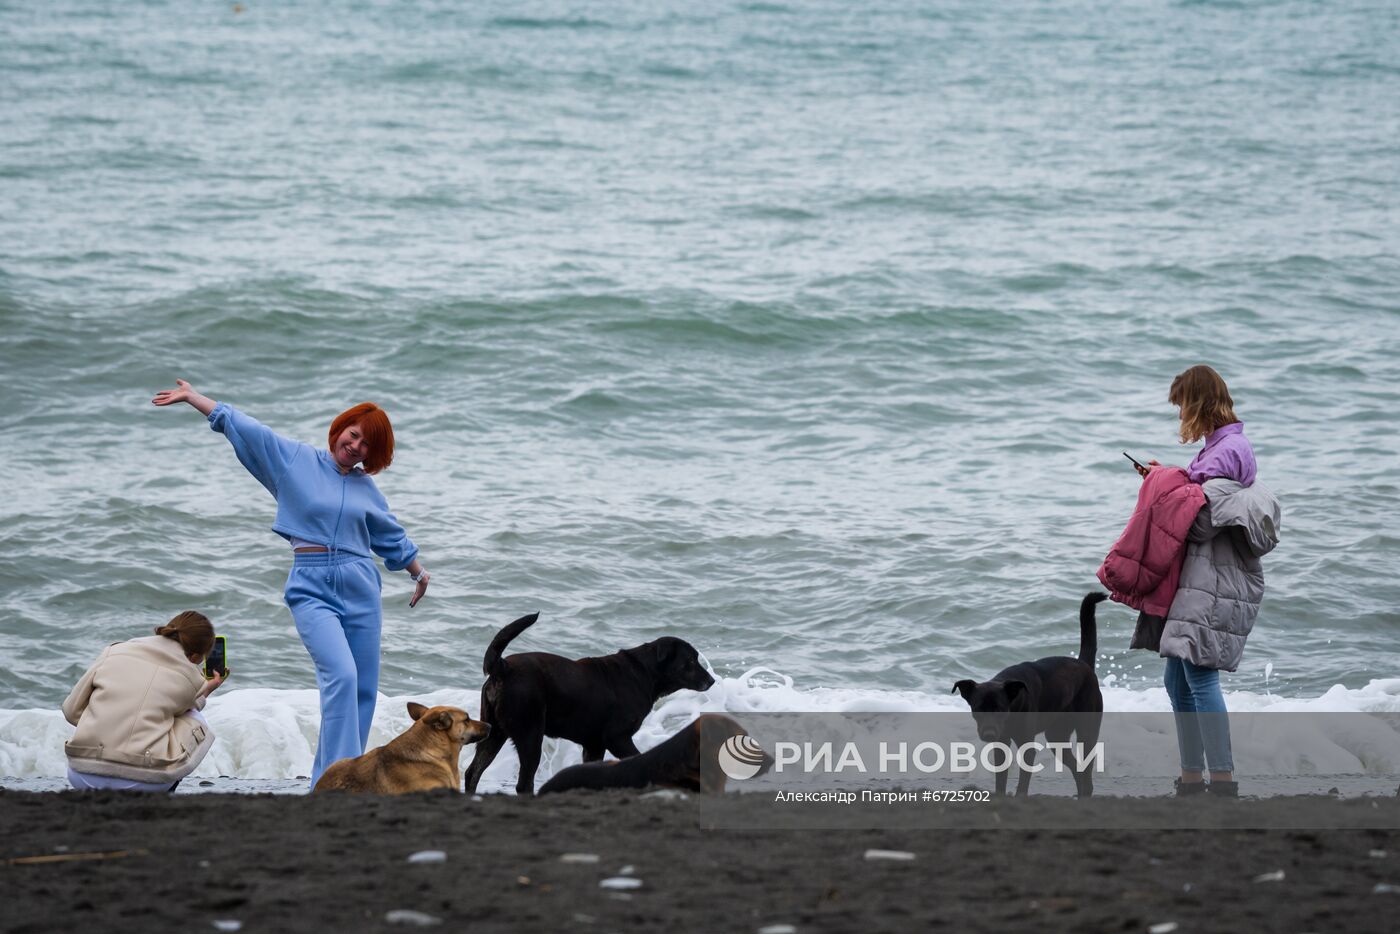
x,y
1205,402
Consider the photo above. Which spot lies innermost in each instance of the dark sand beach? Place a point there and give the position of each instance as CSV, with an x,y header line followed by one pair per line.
x,y
288,863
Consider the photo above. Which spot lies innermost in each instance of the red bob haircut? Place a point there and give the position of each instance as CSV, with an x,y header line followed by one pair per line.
x,y
374,425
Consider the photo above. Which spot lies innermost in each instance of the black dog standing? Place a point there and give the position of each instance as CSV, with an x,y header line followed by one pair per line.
x,y
1058,696
598,703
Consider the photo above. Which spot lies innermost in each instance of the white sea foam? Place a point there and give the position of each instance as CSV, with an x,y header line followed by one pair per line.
x,y
268,734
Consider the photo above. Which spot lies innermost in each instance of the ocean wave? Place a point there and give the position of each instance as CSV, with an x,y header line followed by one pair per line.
x,y
540,22
793,282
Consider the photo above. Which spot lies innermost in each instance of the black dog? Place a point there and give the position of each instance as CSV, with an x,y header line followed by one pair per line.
x,y
688,760
595,702
1057,696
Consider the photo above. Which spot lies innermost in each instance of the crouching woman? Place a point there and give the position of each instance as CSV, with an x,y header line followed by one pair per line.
x,y
137,710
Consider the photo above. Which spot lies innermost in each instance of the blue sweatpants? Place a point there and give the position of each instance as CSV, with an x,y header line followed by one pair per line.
x,y
334,599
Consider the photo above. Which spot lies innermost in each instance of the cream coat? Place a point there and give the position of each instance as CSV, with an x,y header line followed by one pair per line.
x,y
128,708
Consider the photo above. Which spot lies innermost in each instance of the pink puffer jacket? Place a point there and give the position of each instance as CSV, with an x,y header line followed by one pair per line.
x,y
1144,565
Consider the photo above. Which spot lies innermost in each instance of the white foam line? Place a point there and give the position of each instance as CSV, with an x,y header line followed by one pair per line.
x,y
270,734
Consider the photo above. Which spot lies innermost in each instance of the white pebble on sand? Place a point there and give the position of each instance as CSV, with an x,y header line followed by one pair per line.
x,y
620,882
898,855
228,924
412,918
666,794
1378,854
778,929
1385,888
1166,927
589,858
628,870
1275,876
428,856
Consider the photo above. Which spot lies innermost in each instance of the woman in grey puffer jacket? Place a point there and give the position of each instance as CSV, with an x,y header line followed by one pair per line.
x,y
1222,581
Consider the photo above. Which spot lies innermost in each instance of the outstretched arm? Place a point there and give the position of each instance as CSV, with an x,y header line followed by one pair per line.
x,y
185,393
265,453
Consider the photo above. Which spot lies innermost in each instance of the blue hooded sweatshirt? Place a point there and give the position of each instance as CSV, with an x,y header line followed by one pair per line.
x,y
315,501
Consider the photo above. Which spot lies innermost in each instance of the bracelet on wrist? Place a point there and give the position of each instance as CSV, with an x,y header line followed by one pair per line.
x,y
418,578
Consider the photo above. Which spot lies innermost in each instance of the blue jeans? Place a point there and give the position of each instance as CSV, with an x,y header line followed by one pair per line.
x,y
1202,725
334,601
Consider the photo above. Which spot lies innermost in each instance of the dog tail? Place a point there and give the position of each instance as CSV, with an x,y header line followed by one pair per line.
x,y
1088,629
492,663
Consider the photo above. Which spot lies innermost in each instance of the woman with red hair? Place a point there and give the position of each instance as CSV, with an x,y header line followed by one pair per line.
x,y
336,519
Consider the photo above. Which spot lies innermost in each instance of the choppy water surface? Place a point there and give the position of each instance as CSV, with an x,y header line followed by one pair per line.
x,y
809,332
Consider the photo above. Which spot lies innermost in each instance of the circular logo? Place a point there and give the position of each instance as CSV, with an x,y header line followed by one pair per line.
x,y
740,757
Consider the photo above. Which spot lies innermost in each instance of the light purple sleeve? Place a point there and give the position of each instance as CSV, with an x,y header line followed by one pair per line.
x,y
1232,459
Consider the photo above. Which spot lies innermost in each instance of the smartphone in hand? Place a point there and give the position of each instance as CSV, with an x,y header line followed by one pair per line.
x,y
217,662
1142,471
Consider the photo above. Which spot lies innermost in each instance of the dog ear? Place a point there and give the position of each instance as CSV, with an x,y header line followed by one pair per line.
x,y
1015,691
416,710
665,651
965,687
711,730
442,720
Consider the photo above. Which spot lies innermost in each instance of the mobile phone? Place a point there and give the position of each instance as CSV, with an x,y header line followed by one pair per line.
x,y
1140,469
217,662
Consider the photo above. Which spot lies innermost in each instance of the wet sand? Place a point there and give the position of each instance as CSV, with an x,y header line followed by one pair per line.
x,y
285,863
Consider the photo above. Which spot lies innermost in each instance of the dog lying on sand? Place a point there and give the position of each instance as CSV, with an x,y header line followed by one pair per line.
x,y
1057,696
689,760
598,703
422,758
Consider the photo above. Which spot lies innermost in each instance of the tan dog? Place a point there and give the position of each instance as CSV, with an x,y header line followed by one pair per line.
x,y
421,759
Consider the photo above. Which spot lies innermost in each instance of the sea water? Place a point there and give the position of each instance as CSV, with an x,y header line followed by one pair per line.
x,y
808,332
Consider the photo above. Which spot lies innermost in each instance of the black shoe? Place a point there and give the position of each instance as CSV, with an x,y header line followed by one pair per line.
x,y
1187,789
1224,789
